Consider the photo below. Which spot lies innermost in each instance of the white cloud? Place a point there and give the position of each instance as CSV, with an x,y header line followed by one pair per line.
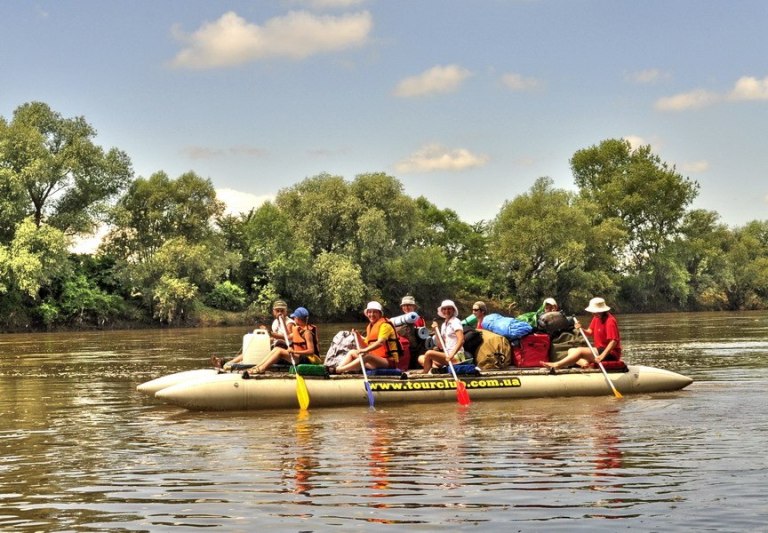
x,y
232,40
438,79
695,167
434,157
690,100
650,75
241,202
635,141
517,82
750,88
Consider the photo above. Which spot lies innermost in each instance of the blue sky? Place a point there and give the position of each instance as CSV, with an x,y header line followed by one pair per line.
x,y
465,102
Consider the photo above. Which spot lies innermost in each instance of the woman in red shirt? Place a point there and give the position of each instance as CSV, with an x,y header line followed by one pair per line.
x,y
605,331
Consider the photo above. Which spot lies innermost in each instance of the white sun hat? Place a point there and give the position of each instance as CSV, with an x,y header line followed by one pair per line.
x,y
597,305
447,303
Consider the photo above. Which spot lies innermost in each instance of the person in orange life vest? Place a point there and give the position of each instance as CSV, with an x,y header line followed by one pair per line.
x,y
452,335
607,341
378,348
303,338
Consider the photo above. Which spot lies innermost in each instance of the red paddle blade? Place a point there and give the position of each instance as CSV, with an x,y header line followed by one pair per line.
x,y
461,393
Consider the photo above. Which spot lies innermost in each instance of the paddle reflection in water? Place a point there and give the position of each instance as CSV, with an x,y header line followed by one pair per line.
x,y
299,457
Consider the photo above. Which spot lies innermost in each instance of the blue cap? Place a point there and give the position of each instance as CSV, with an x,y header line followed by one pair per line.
x,y
300,312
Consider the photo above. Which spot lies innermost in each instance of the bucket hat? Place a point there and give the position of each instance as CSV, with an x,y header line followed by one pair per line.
x,y
597,305
447,303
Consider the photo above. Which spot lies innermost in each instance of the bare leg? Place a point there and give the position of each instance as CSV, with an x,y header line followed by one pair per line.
x,y
575,356
349,362
272,358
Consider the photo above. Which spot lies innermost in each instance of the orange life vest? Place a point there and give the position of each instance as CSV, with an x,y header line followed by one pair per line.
x,y
297,338
388,350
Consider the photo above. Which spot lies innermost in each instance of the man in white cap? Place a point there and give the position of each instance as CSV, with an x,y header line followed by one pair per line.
x,y
410,330
607,339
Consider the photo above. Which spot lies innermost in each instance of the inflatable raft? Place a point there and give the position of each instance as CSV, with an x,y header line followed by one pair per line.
x,y
212,390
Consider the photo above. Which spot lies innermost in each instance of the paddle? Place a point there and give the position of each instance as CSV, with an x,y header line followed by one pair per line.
x,y
301,388
368,390
594,352
462,395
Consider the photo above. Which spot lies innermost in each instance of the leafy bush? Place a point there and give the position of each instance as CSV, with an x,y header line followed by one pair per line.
x,y
226,296
173,298
81,301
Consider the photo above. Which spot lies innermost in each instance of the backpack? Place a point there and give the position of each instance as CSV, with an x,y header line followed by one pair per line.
x,y
341,344
472,339
507,326
554,322
494,353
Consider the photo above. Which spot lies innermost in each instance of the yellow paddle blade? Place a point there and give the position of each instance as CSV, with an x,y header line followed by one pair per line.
x,y
302,393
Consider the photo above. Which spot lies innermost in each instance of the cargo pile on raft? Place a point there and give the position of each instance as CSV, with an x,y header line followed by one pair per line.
x,y
501,361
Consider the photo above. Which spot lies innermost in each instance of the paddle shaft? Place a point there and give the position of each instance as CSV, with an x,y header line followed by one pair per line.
x,y
368,390
600,364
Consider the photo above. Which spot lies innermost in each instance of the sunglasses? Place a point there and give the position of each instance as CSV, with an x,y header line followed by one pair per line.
x,y
475,309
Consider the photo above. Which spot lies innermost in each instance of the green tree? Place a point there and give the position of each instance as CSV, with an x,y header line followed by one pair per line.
x,y
157,209
647,195
544,244
165,245
67,179
463,248
746,286
702,250
11,203
33,260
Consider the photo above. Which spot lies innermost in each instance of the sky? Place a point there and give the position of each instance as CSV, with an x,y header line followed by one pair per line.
x,y
466,102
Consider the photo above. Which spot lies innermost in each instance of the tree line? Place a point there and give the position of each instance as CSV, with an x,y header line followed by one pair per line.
x,y
627,233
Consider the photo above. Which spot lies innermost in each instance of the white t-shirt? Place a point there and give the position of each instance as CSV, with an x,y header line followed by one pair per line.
x,y
277,326
448,331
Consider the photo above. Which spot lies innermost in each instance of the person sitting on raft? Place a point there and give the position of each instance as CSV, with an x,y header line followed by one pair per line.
x,y
452,334
410,331
303,348
605,331
479,310
277,338
280,323
379,347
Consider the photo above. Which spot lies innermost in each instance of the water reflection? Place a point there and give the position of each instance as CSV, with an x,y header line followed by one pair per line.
x,y
82,450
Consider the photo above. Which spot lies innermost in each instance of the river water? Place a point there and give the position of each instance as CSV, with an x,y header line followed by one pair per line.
x,y
81,450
